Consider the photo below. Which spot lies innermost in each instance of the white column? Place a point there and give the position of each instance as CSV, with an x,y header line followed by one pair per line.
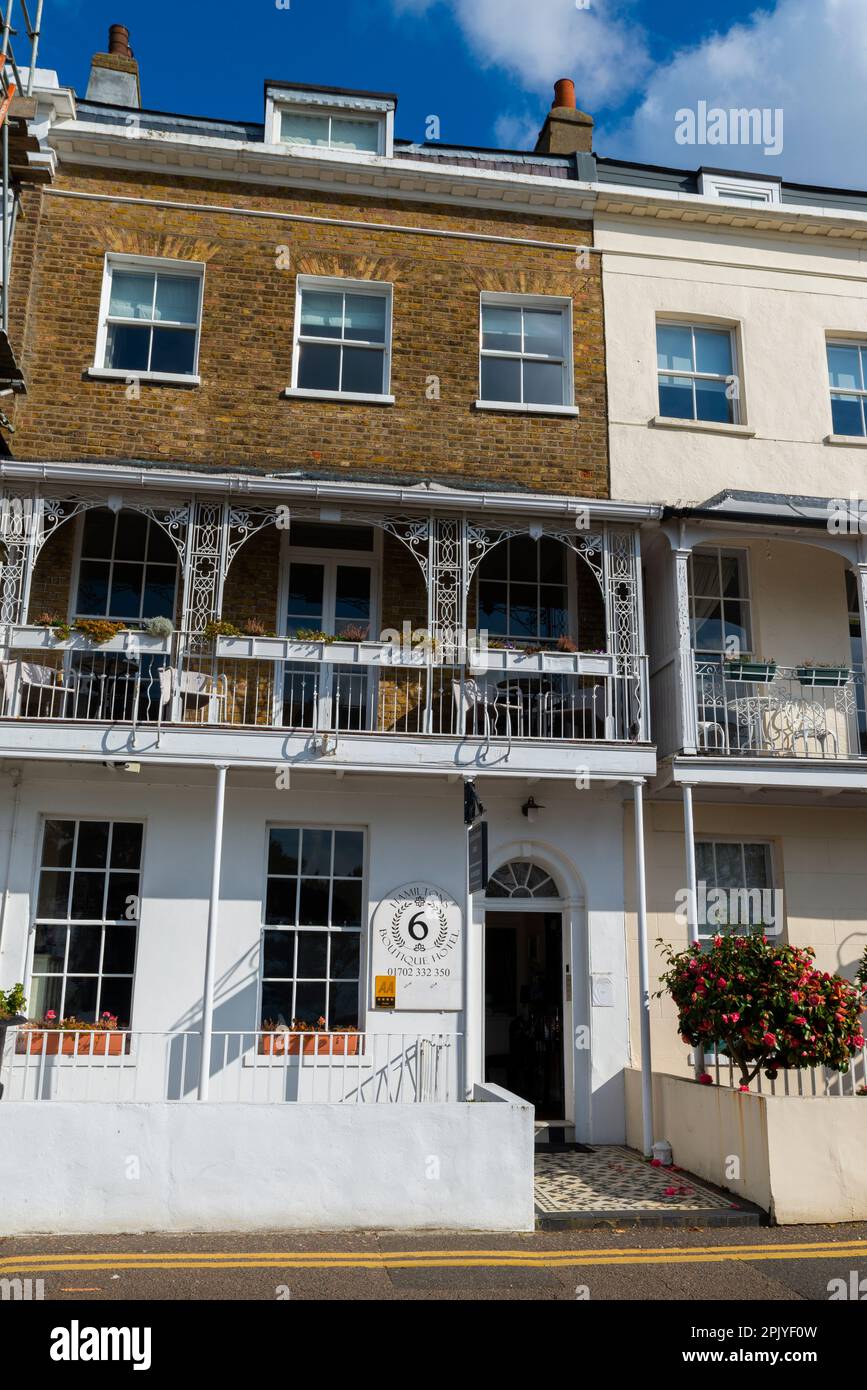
x,y
860,572
643,974
686,684
692,899
211,946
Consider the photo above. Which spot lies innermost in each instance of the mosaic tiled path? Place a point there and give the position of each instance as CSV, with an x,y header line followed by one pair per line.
x,y
613,1183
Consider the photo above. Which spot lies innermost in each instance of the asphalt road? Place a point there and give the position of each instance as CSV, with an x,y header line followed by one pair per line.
x,y
747,1264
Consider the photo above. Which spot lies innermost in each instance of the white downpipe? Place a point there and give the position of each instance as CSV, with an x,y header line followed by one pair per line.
x,y
211,947
643,974
692,895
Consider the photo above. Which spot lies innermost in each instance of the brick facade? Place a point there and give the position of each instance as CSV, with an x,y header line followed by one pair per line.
x,y
237,418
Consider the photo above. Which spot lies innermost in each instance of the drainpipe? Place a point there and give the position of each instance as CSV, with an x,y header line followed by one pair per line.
x,y
643,974
692,895
211,947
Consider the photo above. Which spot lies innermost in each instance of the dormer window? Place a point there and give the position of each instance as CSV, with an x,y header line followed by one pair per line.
x,y
329,132
738,188
329,120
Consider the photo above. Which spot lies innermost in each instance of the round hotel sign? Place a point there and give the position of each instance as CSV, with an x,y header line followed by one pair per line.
x,y
417,943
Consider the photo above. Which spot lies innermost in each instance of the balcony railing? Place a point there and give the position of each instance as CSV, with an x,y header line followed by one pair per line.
x,y
317,688
779,711
313,1068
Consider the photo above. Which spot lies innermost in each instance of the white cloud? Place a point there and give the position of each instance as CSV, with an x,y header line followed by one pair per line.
x,y
806,57
537,41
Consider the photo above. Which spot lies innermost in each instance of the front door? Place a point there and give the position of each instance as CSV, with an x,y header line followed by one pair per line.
x,y
331,595
524,1007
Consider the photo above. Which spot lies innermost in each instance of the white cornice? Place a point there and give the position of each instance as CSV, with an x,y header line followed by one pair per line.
x,y
210,157
93,144
695,209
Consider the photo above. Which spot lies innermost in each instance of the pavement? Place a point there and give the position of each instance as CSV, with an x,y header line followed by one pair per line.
x,y
759,1264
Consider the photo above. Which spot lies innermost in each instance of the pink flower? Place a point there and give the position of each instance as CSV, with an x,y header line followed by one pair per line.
x,y
705,1080
51,1014
656,1163
744,1088
769,1040
670,1191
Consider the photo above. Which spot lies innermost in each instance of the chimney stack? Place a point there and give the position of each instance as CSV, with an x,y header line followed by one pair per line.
x,y
566,130
114,76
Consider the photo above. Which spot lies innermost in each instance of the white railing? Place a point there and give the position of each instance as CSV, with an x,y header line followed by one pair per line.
x,y
795,712
556,697
311,1068
813,1081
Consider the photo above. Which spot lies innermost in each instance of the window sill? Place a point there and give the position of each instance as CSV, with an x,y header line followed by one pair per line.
x,y
671,422
147,378
351,397
848,441
515,408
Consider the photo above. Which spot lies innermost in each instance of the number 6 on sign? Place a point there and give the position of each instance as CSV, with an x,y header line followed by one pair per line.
x,y
417,942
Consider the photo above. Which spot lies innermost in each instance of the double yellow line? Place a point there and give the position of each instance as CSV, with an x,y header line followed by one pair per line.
x,y
73,1262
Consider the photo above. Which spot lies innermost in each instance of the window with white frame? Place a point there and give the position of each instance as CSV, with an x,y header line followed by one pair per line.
x,y
342,338
87,910
150,317
525,350
697,372
128,567
314,907
331,130
744,872
719,601
847,373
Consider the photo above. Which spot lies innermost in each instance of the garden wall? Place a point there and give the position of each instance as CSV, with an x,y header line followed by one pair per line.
x,y
103,1168
800,1158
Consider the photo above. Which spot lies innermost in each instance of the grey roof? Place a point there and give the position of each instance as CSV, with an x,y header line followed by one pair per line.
x,y
583,167
785,509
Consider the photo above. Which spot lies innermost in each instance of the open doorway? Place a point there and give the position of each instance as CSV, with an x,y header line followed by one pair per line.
x,y
524,1007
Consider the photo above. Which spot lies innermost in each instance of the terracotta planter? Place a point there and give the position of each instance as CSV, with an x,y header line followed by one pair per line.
x,y
99,1043
309,1044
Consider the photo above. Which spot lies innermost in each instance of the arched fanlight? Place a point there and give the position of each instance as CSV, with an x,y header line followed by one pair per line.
x,y
521,879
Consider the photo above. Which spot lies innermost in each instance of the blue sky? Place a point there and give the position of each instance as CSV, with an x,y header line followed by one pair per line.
x,y
486,67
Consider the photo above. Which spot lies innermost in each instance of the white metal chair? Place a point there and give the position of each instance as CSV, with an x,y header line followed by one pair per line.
x,y
22,677
192,690
484,703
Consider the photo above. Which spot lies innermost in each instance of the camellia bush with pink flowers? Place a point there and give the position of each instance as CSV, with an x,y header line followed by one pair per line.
x,y
766,1004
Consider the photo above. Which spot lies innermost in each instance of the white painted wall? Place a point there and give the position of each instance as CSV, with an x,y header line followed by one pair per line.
x,y
118,1168
784,294
415,828
801,1158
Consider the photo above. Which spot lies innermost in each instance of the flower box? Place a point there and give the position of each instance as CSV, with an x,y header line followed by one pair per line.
x,y
309,1044
32,639
533,663
823,675
98,1043
754,672
290,649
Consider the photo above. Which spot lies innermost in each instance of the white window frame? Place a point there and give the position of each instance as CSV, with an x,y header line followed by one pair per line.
x,y
530,301
736,188
360,932
861,393
334,106
695,421
742,555
68,921
153,264
381,289
707,933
